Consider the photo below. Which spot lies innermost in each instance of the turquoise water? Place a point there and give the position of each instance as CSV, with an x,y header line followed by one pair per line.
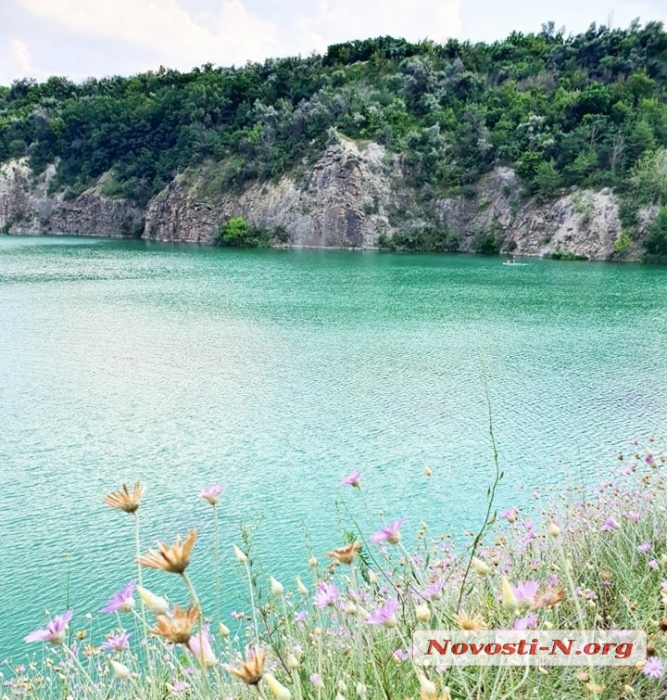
x,y
276,373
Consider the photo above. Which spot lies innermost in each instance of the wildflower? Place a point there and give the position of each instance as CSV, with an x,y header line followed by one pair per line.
x,y
466,622
276,586
548,598
200,645
223,629
427,689
211,494
423,612
316,680
509,599
554,530
300,587
644,548
326,594
594,688
279,691
177,627
372,576
117,642
121,670
252,670
653,564
523,623
121,601
241,558
433,590
155,604
174,558
384,615
124,500
390,533
609,525
292,662
525,593
479,567
511,514
312,562
347,554
54,633
653,668
401,655
352,479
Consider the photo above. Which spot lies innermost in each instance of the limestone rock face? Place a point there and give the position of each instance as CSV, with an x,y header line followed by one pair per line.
x,y
26,207
328,211
584,223
350,197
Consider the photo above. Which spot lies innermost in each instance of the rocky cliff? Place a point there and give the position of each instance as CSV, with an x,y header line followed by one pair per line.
x,y
353,195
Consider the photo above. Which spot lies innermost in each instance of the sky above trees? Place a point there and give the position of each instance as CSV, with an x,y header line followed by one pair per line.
x,y
81,38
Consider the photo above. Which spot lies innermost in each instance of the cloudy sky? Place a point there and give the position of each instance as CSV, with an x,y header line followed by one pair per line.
x,y
81,38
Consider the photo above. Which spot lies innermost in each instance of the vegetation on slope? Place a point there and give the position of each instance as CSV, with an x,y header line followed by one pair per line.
x,y
343,629
588,110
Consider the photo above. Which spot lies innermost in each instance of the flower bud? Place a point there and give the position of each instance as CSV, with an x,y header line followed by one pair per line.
x,y
427,471
276,587
121,670
423,612
342,686
510,601
372,576
155,604
361,690
241,558
479,567
279,691
554,530
427,688
292,662
312,562
223,629
300,587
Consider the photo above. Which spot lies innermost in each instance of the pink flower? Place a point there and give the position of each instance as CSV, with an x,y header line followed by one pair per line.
x,y
200,645
525,591
653,668
326,595
121,601
117,642
644,548
390,533
522,623
211,494
511,514
653,564
384,615
352,479
609,525
54,632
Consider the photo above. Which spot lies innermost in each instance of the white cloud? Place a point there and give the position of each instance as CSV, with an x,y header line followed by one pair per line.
x,y
343,20
165,30
16,62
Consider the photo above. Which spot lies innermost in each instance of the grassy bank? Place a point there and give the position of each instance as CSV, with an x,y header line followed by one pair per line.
x,y
576,561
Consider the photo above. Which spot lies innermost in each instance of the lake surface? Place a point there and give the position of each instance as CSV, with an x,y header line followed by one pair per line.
x,y
278,372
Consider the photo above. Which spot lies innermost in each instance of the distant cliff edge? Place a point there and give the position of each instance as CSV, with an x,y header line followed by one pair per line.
x,y
354,196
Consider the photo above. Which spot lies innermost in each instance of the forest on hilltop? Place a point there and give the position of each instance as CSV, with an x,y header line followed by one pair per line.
x,y
588,110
